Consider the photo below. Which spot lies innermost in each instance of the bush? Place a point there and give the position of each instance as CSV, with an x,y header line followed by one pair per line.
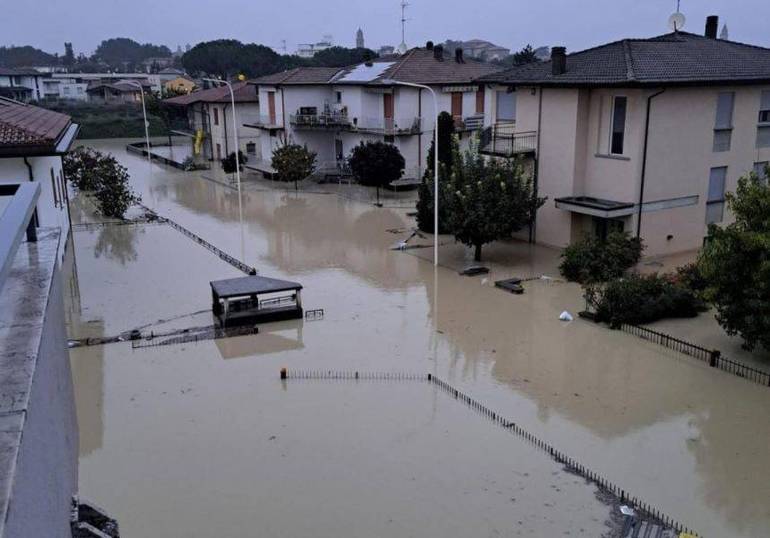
x,y
92,171
598,260
691,277
228,163
642,299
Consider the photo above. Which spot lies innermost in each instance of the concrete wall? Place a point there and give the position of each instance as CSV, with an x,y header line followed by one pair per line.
x,y
52,209
43,476
222,134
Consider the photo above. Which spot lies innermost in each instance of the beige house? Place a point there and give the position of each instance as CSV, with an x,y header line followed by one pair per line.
x,y
179,85
641,135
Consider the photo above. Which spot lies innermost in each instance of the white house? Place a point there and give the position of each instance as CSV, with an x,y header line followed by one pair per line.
x,y
21,84
641,135
32,142
331,110
210,121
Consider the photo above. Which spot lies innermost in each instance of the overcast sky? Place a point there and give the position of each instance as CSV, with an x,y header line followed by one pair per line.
x,y
576,24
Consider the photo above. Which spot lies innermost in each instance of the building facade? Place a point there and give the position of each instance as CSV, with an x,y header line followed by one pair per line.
x,y
332,110
21,84
635,135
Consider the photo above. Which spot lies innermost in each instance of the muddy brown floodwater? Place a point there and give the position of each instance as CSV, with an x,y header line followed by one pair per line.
x,y
202,440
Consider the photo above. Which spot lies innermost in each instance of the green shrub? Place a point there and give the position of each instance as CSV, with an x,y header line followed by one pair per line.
x,y
598,260
639,299
691,277
228,163
293,162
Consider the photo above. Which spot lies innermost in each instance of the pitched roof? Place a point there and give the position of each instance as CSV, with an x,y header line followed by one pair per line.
x,y
19,72
244,93
31,127
678,58
299,75
417,65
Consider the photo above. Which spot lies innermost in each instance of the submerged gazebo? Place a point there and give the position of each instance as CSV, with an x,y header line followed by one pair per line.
x,y
254,299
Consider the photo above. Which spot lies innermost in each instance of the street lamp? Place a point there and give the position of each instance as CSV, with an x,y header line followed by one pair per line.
x,y
144,113
237,157
435,157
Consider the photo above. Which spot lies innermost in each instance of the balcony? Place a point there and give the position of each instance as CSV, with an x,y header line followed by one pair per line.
x,y
320,121
266,122
502,139
387,126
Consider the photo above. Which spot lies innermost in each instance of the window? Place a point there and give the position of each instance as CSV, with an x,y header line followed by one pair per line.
x,y
760,169
480,101
506,106
715,203
251,148
457,104
618,132
723,124
216,116
338,96
764,107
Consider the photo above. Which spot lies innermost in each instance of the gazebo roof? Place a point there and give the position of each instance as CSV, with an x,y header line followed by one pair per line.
x,y
250,285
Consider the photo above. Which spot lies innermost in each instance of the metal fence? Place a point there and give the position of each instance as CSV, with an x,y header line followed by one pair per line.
x,y
712,356
644,509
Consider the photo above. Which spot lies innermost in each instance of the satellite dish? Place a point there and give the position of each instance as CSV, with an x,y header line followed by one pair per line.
x,y
676,22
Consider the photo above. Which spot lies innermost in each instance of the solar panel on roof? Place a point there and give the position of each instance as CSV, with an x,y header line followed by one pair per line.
x,y
366,73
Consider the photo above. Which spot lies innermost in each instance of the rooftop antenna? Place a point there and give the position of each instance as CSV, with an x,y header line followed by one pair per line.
x,y
402,46
676,20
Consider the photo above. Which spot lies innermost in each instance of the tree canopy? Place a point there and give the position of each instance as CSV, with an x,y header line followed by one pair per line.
x,y
340,56
293,162
124,54
25,56
735,264
447,145
376,164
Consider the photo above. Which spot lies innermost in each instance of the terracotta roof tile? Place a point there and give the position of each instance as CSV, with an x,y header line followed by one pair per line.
x,y
27,125
244,93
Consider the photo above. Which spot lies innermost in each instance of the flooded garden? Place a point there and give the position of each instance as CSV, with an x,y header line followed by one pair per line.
x,y
203,438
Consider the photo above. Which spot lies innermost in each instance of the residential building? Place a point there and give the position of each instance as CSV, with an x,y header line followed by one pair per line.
x,y
210,121
155,64
484,50
32,142
151,80
332,110
386,50
170,73
21,84
308,50
639,135
122,91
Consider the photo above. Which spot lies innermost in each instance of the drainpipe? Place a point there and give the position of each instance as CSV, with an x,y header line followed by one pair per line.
x,y
533,225
224,120
32,178
644,162
419,131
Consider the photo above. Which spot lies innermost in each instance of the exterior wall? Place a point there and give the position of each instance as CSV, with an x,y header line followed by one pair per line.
x,y
52,207
222,134
34,83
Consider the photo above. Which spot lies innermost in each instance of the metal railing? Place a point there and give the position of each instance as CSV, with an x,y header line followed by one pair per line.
x,y
388,126
320,121
474,122
503,139
18,218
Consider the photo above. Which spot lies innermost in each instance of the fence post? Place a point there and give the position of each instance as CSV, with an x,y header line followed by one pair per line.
x,y
714,359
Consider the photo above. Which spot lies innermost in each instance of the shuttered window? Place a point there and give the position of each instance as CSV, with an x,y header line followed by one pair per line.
x,y
715,203
764,107
506,106
725,103
618,133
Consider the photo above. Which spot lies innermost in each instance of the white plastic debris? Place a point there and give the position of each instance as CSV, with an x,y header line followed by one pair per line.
x,y
626,510
402,245
565,316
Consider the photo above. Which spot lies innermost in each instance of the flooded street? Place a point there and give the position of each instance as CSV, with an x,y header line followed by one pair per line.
x,y
202,439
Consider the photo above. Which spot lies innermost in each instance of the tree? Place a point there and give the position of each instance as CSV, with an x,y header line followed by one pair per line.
x,y
446,146
736,264
155,105
525,56
293,162
593,259
376,164
226,58
492,200
24,57
122,53
92,171
69,55
341,56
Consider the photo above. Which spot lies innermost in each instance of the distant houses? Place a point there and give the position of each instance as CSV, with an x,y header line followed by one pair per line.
x,y
331,110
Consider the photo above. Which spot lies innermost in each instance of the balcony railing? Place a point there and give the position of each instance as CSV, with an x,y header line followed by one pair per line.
x,y
388,126
469,123
503,139
320,121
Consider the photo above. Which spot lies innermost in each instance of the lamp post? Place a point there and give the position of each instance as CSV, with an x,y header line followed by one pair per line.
x,y
435,157
237,156
144,113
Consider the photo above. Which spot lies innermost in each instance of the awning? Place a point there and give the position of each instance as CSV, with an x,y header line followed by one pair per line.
x,y
596,207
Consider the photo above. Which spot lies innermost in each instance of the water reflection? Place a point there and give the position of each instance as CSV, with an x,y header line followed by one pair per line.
x,y
117,242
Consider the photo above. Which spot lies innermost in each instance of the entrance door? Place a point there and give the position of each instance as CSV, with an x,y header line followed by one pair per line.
x,y
271,106
457,105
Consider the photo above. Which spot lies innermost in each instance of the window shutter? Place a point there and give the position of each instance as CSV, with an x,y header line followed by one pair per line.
x,y
765,102
717,184
724,118
763,137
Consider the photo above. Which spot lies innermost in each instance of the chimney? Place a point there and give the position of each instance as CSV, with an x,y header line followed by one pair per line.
x,y
712,23
459,55
558,60
438,52
429,45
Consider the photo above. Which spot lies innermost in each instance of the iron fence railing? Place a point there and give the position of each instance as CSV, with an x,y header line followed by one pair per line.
x,y
388,126
503,139
320,121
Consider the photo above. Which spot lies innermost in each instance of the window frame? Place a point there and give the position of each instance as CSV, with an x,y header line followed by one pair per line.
x,y
612,132
716,201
